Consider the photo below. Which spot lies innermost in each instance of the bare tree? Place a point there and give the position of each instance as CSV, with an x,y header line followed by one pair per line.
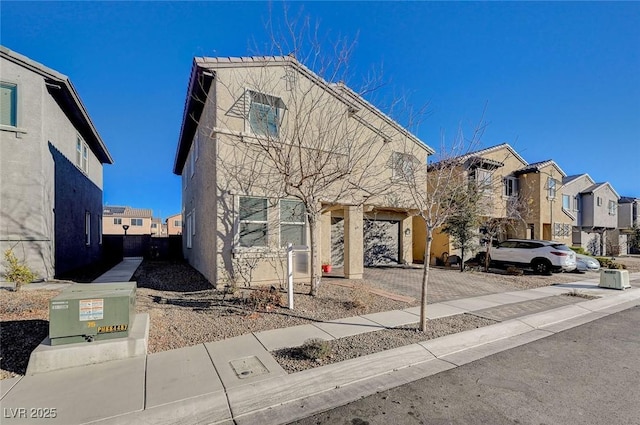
x,y
433,189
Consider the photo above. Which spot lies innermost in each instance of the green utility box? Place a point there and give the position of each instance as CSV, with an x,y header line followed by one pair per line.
x,y
92,312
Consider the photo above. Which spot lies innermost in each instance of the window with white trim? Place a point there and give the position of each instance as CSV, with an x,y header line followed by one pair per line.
x,y
403,166
612,208
483,179
292,222
576,203
8,104
510,186
188,231
82,155
264,114
177,223
566,202
551,188
87,228
99,230
252,216
117,221
136,222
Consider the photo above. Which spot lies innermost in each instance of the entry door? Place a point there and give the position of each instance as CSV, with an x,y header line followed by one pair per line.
x,y
381,242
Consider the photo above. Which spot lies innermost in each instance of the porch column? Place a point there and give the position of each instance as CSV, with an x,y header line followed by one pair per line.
x,y
406,235
353,242
325,237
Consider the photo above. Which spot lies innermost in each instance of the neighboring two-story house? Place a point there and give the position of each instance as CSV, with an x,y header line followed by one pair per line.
x,y
628,222
51,159
493,169
257,130
541,189
594,208
119,220
173,223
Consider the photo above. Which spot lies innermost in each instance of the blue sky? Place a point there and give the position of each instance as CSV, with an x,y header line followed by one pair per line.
x,y
559,80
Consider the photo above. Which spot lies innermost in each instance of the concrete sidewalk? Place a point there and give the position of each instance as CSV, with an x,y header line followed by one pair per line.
x,y
122,272
238,381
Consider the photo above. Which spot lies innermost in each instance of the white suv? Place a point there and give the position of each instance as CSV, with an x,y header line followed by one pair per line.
x,y
542,256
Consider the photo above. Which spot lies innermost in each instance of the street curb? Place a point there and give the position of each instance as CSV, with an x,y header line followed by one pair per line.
x,y
288,398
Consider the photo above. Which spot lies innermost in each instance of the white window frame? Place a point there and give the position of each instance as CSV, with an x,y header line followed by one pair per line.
x,y
137,225
552,187
263,222
276,104
483,179
15,116
177,223
568,199
82,154
511,188
87,228
99,230
612,208
302,223
188,231
403,166
598,201
576,203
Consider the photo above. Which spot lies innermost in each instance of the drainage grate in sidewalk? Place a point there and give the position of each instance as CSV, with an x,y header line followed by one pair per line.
x,y
512,311
248,367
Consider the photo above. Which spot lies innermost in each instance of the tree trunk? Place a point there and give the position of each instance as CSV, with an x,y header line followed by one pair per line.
x,y
461,259
425,279
487,257
314,254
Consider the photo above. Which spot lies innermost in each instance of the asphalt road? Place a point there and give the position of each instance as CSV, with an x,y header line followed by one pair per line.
x,y
586,375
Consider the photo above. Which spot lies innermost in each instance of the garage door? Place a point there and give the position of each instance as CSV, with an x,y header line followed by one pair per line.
x,y
381,242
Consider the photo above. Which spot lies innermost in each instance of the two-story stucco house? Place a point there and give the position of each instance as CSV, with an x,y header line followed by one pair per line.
x,y
594,207
258,134
540,187
51,159
493,168
138,221
628,221
173,224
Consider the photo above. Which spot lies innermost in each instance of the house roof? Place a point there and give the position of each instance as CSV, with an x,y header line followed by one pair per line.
x,y
203,74
627,200
118,211
62,90
490,149
598,186
536,167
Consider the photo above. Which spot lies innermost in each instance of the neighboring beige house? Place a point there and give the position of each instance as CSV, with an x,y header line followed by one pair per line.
x,y
51,161
174,224
594,207
541,187
494,168
138,221
237,219
158,230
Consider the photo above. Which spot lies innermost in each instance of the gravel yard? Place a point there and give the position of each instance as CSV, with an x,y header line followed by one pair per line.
x,y
185,310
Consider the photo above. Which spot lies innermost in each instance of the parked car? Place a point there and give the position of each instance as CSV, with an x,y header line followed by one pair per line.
x,y
541,256
585,263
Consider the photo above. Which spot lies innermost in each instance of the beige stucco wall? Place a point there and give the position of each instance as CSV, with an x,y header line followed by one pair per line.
x,y
172,229
110,228
231,164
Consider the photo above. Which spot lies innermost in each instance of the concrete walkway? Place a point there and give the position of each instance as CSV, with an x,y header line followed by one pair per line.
x,y
238,381
122,272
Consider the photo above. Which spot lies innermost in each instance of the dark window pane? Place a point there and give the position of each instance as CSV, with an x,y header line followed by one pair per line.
x,y
293,233
291,211
253,209
253,234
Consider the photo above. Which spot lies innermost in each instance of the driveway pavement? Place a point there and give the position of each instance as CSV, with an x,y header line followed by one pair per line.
x,y
450,284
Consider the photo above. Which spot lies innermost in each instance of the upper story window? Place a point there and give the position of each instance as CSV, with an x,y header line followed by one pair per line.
x,y
264,114
551,187
403,166
612,208
82,155
87,228
566,202
599,201
9,104
117,221
576,203
154,226
136,222
483,179
177,223
253,221
292,228
511,186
